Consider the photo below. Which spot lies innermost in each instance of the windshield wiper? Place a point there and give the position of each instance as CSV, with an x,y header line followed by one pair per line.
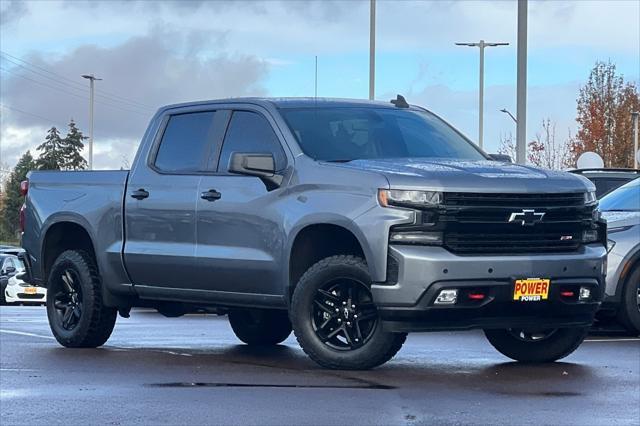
x,y
340,160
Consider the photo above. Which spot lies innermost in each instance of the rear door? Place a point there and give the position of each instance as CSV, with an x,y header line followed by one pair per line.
x,y
161,197
240,234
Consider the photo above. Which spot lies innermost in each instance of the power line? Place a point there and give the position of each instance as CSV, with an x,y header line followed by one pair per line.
x,y
29,113
67,85
71,93
102,93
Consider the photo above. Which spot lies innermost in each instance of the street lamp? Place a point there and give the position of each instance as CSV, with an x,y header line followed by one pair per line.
x,y
636,153
92,79
372,49
482,44
506,111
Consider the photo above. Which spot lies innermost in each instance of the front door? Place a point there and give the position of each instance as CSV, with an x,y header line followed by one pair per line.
x,y
240,235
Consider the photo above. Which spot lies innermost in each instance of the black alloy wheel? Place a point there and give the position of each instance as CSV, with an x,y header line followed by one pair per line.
x,y
344,316
531,335
67,301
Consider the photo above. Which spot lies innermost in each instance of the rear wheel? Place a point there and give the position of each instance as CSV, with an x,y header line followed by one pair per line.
x,y
260,326
77,315
334,317
541,345
629,313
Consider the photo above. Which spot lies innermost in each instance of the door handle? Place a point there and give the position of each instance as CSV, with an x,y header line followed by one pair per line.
x,y
211,195
140,194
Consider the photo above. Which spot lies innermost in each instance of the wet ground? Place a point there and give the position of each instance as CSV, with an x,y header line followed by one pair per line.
x,y
192,370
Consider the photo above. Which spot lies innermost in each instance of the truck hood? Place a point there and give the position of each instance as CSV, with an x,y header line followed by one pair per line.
x,y
471,176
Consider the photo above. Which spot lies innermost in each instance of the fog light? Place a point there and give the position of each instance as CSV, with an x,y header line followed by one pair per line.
x,y
447,297
585,293
590,236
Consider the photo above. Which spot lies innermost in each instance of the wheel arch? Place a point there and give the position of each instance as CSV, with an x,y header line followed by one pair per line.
x,y
64,233
314,241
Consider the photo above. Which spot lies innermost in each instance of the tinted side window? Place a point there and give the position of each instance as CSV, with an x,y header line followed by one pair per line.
x,y
186,142
250,132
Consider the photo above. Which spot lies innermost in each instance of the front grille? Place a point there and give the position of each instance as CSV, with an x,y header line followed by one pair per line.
x,y
479,223
514,200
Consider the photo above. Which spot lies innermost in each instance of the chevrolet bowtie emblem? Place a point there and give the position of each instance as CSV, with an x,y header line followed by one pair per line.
x,y
526,217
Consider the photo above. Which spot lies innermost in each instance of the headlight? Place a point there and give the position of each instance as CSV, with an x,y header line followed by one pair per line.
x,y
590,197
409,198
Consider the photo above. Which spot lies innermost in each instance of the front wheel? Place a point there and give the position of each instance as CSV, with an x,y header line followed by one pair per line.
x,y
334,317
77,315
537,346
260,327
629,313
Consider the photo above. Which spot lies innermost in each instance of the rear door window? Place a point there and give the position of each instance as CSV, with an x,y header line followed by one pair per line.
x,y
186,142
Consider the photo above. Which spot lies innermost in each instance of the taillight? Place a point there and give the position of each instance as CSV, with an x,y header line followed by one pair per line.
x,y
22,215
24,188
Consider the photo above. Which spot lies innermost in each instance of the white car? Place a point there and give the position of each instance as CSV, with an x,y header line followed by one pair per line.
x,y
17,291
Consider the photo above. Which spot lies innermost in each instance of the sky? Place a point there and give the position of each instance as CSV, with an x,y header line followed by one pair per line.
x,y
151,53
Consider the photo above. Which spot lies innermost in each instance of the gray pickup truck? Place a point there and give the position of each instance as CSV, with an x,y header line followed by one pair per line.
x,y
349,222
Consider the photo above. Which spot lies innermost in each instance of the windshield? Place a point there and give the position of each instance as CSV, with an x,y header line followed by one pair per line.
x,y
350,133
626,198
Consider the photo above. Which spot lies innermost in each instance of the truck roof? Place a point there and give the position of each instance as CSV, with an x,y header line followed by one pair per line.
x,y
290,102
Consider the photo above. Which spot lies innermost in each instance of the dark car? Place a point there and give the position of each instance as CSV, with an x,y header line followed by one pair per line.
x,y
607,180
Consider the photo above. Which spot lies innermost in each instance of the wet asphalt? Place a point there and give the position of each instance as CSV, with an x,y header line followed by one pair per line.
x,y
192,370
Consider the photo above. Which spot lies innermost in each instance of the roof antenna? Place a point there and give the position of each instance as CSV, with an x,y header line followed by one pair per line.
x,y
400,102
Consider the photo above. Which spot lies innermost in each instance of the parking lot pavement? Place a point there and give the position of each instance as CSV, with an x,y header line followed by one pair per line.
x,y
192,370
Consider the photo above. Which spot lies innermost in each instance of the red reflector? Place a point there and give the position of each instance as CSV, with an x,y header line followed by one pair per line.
x,y
567,293
24,187
476,296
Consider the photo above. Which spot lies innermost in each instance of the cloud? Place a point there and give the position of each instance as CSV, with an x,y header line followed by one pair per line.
x,y
139,76
11,11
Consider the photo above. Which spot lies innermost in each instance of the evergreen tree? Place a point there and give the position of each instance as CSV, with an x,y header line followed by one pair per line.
x,y
72,146
52,152
13,200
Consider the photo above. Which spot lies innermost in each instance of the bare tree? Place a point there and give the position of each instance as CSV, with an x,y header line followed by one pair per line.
x,y
507,145
545,151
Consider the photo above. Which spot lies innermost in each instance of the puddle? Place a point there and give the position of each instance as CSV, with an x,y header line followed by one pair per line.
x,y
374,386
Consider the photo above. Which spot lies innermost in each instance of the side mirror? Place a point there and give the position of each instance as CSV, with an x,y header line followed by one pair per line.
x,y
10,270
501,157
256,164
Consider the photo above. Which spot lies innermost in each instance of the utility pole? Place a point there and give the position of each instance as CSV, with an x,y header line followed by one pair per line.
x,y
482,44
636,155
521,109
372,49
92,79
506,111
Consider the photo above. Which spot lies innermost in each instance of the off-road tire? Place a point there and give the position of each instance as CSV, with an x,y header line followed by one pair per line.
x,y
96,321
629,315
260,327
380,347
558,345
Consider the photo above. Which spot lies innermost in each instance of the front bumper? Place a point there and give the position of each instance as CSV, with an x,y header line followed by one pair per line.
x,y
16,293
406,302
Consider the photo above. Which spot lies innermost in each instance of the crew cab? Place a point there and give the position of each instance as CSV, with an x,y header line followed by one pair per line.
x,y
349,222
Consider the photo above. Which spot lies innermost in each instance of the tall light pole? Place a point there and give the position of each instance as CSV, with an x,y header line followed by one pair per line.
x,y
636,160
521,89
506,111
92,79
482,44
372,49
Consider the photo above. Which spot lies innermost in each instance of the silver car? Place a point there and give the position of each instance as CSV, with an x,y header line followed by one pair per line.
x,y
621,209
